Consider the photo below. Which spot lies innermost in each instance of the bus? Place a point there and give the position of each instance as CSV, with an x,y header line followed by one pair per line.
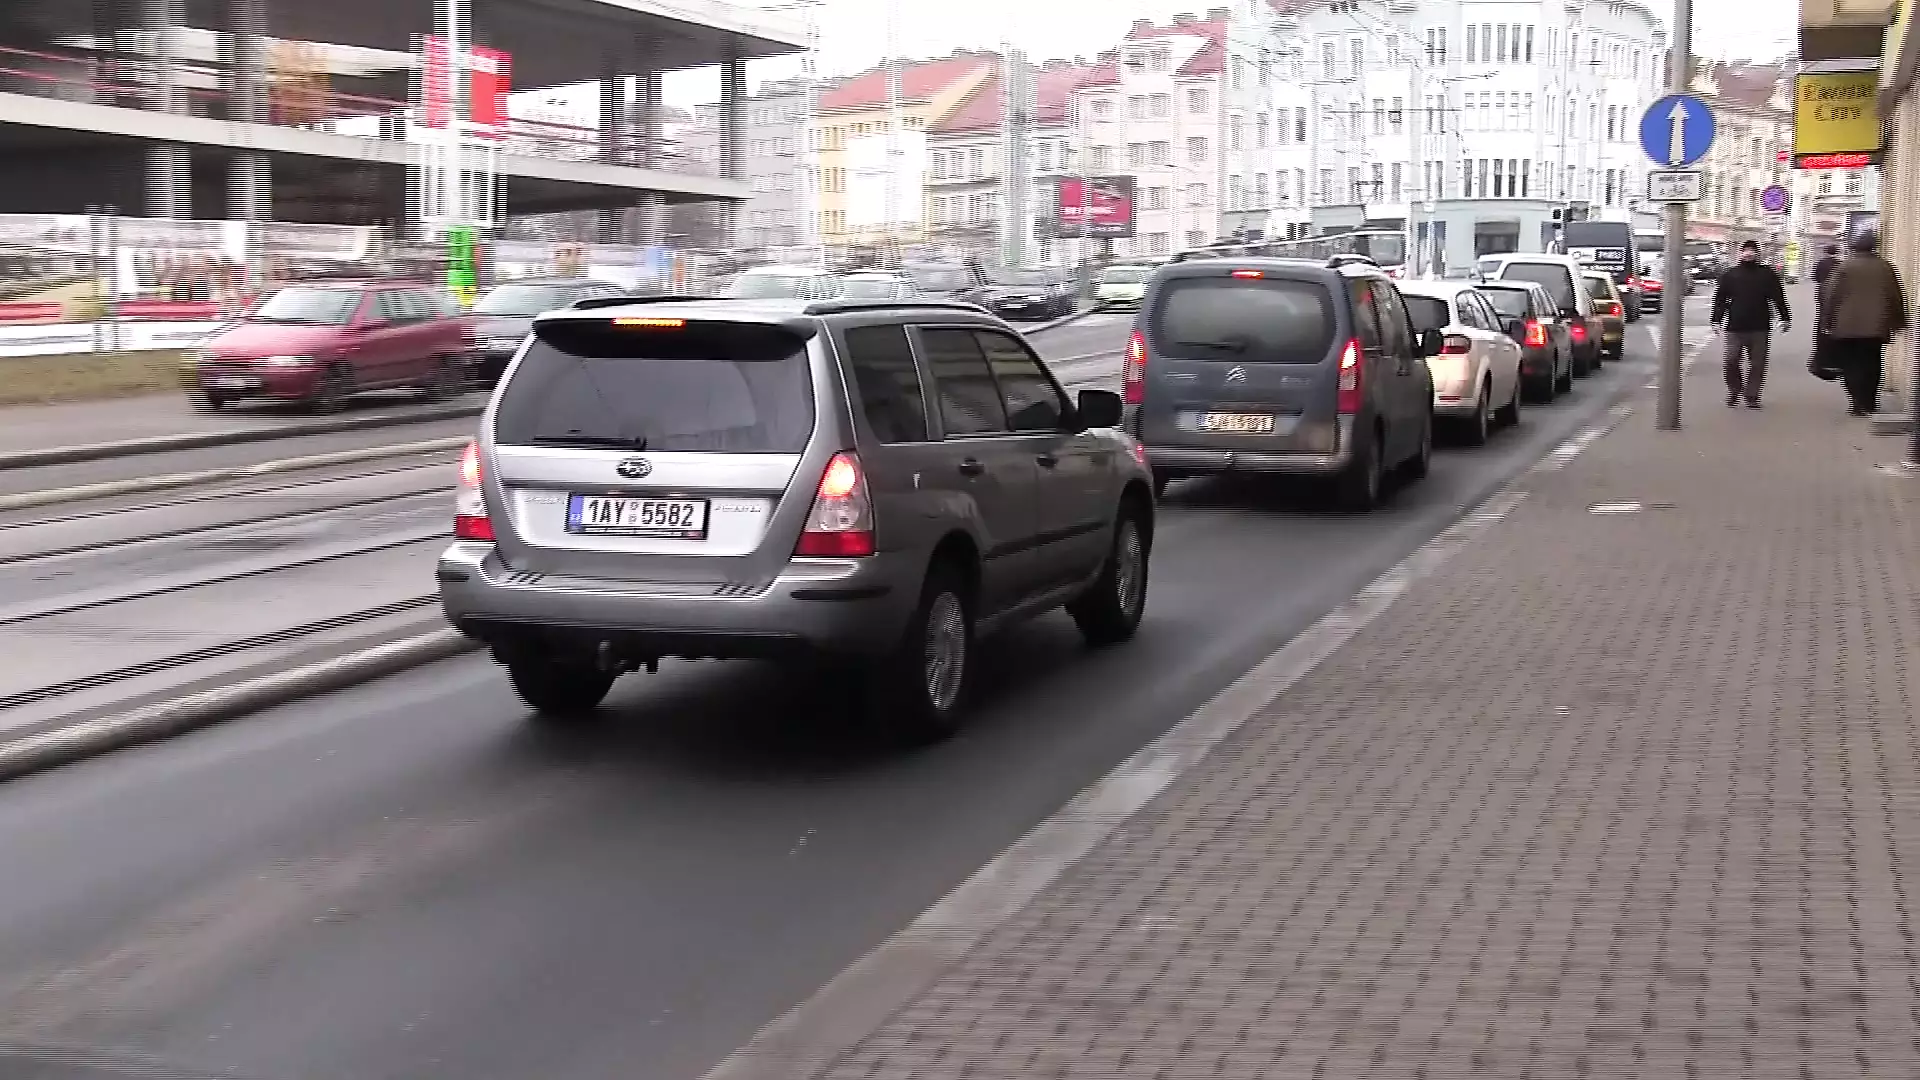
x,y
1385,248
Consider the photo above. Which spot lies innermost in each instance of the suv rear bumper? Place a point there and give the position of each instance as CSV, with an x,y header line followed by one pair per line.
x,y
824,606
1191,461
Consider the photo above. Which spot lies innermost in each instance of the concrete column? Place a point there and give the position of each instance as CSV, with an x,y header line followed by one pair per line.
x,y
169,175
614,140
733,105
650,213
244,45
169,181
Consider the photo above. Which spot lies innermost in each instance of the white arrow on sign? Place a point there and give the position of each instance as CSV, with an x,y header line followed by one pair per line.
x,y
1677,140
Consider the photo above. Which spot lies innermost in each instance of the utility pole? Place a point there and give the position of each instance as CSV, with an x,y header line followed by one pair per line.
x,y
1667,417
894,216
1083,275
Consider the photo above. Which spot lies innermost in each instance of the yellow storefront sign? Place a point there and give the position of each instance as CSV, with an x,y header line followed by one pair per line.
x,y
1836,120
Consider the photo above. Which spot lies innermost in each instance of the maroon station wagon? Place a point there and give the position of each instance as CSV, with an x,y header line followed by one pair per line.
x,y
319,343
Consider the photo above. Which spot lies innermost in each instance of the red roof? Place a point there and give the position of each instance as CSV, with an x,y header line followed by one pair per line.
x,y
1209,59
1054,84
919,81
1749,86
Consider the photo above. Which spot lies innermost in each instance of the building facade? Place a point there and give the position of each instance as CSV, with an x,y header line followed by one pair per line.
x,y
776,164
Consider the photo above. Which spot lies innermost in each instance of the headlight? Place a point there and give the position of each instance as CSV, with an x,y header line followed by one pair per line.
x,y
287,361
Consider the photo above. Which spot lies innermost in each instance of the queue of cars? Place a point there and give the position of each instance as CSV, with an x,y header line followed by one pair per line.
x,y
875,483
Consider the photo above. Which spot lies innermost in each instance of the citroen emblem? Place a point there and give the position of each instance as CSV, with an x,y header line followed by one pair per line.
x,y
1236,374
634,468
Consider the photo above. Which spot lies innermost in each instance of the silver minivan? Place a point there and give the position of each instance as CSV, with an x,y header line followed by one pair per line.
x,y
1281,367
868,482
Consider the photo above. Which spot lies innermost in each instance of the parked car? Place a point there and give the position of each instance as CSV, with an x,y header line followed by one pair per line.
x,y
1283,368
320,343
961,282
1610,308
1028,294
1476,376
1560,276
877,285
785,283
1546,346
1122,287
500,319
875,486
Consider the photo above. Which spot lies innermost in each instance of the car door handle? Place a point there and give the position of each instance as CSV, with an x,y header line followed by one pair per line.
x,y
972,467
1047,461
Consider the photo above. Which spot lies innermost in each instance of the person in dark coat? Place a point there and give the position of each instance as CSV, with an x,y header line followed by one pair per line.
x,y
1862,305
1743,306
1822,270
1829,258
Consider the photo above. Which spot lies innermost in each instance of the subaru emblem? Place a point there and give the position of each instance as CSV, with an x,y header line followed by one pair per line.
x,y
1237,374
634,468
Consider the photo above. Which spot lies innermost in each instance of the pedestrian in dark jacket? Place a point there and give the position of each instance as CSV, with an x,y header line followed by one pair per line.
x,y
1829,258
1743,306
1862,306
1822,270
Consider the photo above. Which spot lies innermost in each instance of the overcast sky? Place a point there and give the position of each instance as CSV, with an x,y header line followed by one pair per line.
x,y
854,33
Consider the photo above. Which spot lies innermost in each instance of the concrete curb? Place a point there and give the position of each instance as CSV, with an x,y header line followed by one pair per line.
x,y
142,484
91,738
160,444
201,440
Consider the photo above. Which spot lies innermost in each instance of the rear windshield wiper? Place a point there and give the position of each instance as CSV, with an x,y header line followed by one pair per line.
x,y
1222,346
616,442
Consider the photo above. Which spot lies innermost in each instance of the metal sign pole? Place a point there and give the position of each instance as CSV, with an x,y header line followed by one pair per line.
x,y
1667,416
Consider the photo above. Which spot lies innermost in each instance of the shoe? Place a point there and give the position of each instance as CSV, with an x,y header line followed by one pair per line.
x,y
1733,400
1753,404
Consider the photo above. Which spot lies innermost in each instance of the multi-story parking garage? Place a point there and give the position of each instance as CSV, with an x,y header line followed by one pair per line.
x,y
289,110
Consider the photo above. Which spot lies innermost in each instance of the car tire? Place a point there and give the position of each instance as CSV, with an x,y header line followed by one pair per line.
x,y
558,691
444,381
1509,414
1160,482
919,691
1109,612
1421,463
1357,491
330,394
205,402
1480,426
1563,383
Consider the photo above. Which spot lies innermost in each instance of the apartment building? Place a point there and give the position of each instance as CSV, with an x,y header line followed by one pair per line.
x,y
776,164
1752,148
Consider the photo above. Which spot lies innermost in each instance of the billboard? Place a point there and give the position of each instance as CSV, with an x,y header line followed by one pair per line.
x,y
1836,120
1108,202
878,166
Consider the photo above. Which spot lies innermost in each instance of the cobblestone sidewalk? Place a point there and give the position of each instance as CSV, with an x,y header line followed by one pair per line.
x,y
1629,794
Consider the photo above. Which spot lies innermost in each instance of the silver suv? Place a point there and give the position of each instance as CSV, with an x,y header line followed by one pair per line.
x,y
872,481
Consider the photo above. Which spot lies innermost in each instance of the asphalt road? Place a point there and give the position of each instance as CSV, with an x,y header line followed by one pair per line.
x,y
1074,344
409,881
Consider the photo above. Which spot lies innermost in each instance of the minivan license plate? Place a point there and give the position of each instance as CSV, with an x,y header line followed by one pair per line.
x,y
1226,423
614,515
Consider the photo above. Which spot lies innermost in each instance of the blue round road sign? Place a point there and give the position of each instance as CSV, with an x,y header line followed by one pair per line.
x,y
1774,199
1677,130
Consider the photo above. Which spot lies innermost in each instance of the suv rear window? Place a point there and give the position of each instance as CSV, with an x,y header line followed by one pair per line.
x,y
739,388
1272,320
1510,303
1426,312
1556,279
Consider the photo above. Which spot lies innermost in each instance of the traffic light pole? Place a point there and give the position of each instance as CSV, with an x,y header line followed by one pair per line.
x,y
1674,282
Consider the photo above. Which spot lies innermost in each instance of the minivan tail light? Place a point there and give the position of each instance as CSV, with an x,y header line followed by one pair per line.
x,y
840,522
1536,334
1133,370
470,520
1456,345
1349,397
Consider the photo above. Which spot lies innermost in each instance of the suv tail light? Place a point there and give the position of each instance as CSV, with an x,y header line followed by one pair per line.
x,y
1536,334
470,521
1133,370
1579,330
1349,397
841,521
1456,345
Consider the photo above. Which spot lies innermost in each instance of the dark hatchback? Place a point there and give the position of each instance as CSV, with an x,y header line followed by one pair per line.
x,y
1028,294
1284,368
502,318
1546,347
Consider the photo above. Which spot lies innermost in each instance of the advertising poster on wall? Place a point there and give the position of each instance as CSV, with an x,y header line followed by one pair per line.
x,y
1106,201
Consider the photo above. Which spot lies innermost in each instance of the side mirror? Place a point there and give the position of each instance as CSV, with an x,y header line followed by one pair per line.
x,y
1516,328
1431,342
1098,408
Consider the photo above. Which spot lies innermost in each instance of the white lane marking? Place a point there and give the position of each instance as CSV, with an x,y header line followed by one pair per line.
x,y
859,999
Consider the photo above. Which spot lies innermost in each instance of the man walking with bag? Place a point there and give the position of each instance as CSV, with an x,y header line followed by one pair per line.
x,y
1743,306
1862,306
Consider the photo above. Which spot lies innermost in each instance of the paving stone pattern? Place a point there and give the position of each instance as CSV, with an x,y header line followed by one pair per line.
x,y
1613,796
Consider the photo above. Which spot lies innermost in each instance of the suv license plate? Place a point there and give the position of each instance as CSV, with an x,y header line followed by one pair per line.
x,y
1227,423
613,515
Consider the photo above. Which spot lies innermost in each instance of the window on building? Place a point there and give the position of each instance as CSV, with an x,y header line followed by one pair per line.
x,y
1396,185
1196,149
1526,51
1356,55
1397,114
1471,38
1329,60
1353,185
1500,43
1300,125
1196,194
1379,116
1486,42
1325,192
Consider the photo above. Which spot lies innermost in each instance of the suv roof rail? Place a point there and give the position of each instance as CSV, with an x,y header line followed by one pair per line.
x,y
841,307
592,302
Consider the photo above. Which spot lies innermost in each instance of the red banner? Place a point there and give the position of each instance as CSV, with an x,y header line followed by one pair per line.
x,y
436,83
24,311
492,74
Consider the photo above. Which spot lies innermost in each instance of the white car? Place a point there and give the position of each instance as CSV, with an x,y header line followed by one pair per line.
x,y
1476,377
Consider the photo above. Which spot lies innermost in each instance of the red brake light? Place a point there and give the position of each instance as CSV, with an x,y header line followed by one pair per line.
x,y
1611,308
1249,274
1349,396
1633,282
1133,370
1456,345
840,524
470,521
1536,334
1579,330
